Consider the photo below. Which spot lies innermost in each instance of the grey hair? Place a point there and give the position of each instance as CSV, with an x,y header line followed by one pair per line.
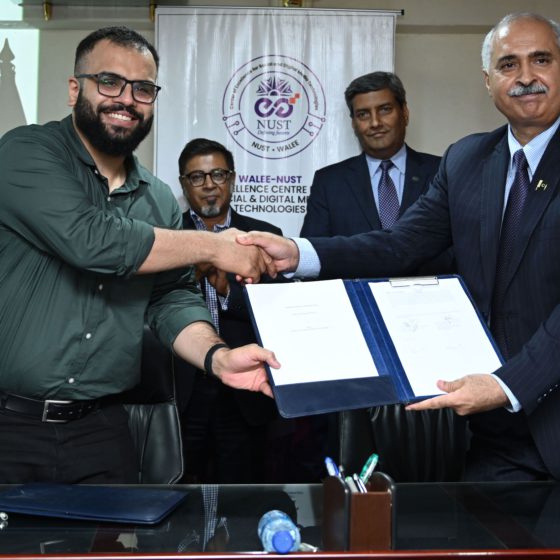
x,y
504,22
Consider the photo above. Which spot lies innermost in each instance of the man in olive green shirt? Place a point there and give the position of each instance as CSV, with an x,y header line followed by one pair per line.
x,y
91,245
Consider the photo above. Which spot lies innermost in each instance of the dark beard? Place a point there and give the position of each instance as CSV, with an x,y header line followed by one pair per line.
x,y
116,141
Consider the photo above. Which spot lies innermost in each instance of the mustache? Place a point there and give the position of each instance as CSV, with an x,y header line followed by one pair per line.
x,y
120,107
520,90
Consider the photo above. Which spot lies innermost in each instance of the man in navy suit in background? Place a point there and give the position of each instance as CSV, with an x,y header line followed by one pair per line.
x,y
344,197
496,197
351,197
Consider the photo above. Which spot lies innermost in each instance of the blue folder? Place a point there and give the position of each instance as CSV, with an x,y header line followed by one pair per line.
x,y
390,387
116,504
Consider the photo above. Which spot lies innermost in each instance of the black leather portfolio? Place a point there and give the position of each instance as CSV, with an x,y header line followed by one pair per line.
x,y
116,504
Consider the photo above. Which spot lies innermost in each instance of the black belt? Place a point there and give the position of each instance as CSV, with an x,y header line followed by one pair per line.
x,y
48,410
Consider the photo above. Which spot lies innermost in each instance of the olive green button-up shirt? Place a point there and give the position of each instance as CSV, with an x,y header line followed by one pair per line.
x,y
72,308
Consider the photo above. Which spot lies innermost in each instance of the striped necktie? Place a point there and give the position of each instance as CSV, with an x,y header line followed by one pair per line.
x,y
510,226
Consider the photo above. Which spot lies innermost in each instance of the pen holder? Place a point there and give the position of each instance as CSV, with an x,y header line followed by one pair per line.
x,y
359,521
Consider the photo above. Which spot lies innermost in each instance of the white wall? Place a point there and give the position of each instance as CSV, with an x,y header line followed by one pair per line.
x,y
445,89
437,57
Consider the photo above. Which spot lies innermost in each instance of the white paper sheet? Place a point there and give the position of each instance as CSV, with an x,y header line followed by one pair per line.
x,y
436,332
312,328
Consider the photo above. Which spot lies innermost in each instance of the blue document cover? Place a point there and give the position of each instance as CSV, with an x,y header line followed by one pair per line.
x,y
116,504
440,306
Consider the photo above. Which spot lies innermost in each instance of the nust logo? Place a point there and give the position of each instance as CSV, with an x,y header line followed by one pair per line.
x,y
275,101
274,107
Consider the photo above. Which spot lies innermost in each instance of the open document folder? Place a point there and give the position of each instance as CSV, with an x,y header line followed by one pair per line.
x,y
356,343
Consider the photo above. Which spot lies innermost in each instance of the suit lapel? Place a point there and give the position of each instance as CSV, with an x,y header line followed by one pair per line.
x,y
541,191
494,173
359,184
414,180
188,222
238,221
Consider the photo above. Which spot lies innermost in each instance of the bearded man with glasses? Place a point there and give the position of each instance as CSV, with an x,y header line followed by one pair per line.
x,y
224,429
91,246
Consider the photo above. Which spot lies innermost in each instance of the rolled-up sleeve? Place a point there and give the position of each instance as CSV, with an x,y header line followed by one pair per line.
x,y
176,299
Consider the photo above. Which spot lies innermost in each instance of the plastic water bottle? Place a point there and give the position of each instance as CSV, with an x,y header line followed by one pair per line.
x,y
278,533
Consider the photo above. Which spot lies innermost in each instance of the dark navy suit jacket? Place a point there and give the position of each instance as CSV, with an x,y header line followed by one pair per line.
x,y
341,201
464,206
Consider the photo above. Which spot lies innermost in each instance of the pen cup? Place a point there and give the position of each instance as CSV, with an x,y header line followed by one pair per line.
x,y
356,521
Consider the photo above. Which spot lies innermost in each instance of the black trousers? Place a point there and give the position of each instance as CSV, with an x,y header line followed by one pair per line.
x,y
219,446
96,449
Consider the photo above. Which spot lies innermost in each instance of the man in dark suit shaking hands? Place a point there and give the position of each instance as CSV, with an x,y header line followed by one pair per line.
x,y
223,431
496,196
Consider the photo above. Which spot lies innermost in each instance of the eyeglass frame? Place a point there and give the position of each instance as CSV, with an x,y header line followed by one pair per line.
x,y
96,78
229,173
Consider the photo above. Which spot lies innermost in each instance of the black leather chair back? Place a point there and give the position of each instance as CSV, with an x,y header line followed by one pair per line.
x,y
426,446
153,416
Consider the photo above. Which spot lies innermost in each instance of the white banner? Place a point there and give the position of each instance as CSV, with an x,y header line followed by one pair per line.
x,y
268,84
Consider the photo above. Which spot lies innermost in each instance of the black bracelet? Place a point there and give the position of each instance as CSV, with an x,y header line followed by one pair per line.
x,y
210,355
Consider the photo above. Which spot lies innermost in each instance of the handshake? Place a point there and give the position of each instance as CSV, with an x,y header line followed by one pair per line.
x,y
250,255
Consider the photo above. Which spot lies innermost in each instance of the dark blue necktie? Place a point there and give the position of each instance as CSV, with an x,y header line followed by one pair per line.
x,y
388,198
510,226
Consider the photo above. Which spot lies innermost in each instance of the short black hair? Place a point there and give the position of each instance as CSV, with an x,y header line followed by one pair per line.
x,y
123,36
374,82
204,147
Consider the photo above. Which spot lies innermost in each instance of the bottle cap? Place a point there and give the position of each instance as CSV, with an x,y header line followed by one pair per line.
x,y
282,541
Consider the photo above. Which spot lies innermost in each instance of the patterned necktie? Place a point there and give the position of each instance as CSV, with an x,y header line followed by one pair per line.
x,y
510,225
388,199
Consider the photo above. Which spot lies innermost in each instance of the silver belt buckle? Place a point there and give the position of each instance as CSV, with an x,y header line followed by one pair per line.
x,y
46,411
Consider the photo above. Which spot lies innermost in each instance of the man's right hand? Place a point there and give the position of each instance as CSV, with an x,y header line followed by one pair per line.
x,y
283,251
247,262
178,248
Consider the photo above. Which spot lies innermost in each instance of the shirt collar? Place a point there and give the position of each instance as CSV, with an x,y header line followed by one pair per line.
x,y
398,159
534,149
201,226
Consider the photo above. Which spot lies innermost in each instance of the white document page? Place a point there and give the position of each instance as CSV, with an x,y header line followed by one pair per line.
x,y
312,329
436,332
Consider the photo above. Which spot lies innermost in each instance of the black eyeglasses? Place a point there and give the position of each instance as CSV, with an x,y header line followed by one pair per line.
x,y
198,178
112,85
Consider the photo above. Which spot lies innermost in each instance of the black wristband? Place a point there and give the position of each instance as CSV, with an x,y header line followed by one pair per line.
x,y
210,355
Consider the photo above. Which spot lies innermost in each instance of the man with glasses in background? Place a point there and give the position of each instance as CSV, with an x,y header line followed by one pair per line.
x,y
91,246
224,429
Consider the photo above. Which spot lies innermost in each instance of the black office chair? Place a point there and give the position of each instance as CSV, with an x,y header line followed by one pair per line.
x,y
153,416
426,446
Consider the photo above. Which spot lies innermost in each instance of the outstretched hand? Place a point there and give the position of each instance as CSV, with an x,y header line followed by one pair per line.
x,y
245,260
283,252
467,395
243,367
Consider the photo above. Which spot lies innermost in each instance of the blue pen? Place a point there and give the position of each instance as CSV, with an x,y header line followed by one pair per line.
x,y
332,469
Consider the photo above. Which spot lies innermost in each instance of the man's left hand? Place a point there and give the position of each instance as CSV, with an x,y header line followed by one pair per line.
x,y
243,367
468,395
217,278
